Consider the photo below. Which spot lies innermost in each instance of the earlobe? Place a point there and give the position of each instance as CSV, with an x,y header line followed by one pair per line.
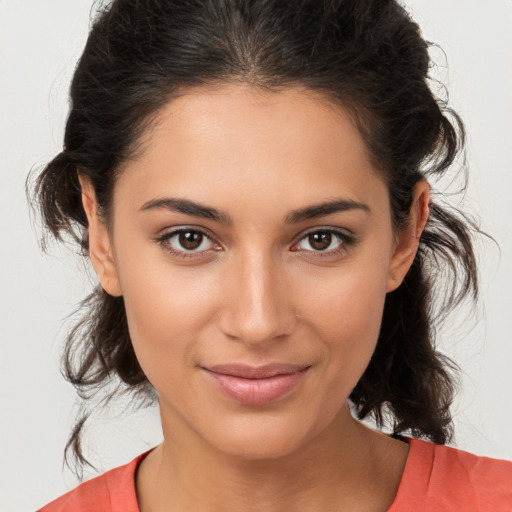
x,y
408,239
100,246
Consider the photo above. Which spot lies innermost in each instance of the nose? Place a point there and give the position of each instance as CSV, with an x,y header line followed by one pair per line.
x,y
258,308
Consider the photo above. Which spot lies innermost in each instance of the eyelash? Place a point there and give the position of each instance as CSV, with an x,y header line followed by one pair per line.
x,y
345,240
164,241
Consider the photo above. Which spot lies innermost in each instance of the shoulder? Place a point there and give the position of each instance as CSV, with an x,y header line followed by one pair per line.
x,y
114,491
91,495
448,479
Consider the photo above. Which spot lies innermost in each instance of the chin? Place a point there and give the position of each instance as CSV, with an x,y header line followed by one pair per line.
x,y
259,447
263,437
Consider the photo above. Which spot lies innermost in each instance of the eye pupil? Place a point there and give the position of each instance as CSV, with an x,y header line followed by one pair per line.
x,y
320,240
190,239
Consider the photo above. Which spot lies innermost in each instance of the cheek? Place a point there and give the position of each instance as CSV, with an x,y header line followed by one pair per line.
x,y
351,301
167,308
345,313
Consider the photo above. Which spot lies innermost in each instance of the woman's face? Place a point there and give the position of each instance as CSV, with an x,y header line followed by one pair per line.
x,y
253,245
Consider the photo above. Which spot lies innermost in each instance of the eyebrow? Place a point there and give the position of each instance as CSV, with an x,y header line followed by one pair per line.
x,y
319,210
188,208
195,209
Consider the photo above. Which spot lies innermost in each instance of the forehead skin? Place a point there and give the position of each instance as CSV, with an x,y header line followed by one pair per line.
x,y
217,134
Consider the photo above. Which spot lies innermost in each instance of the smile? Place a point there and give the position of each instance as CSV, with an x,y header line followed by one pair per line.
x,y
255,385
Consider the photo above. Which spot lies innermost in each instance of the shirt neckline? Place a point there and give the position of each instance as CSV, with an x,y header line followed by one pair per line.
x,y
415,475
410,483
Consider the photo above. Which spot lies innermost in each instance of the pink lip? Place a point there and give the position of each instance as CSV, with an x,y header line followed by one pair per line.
x,y
256,385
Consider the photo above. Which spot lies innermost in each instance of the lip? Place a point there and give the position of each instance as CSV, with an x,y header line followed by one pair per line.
x,y
256,385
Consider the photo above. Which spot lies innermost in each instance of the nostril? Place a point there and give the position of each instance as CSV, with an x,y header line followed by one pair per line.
x,y
258,328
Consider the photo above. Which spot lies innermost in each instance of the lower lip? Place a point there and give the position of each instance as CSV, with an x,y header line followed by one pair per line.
x,y
256,391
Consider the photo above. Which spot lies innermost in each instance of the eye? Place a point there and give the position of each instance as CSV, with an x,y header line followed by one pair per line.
x,y
325,242
187,242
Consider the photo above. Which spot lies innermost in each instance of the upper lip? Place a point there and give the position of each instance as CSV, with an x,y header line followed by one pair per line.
x,y
256,372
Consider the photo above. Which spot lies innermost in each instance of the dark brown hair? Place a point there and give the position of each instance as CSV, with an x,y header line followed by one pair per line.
x,y
367,56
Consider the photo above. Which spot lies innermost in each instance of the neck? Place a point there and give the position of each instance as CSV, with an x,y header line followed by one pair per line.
x,y
348,465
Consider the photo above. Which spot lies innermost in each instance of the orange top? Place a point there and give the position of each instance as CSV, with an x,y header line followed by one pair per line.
x,y
436,479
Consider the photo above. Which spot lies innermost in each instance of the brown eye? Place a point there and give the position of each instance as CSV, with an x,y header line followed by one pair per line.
x,y
190,239
325,242
320,240
187,242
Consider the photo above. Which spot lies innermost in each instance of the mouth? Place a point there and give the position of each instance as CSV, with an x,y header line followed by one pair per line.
x,y
255,385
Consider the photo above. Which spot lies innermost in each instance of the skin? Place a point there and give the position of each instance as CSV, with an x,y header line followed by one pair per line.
x,y
258,290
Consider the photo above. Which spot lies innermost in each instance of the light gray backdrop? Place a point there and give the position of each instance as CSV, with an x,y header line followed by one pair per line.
x,y
39,45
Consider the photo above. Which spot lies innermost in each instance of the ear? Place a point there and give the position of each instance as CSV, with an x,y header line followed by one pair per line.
x,y
408,238
100,246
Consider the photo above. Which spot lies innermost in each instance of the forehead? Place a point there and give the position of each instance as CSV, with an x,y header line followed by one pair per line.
x,y
249,116
234,139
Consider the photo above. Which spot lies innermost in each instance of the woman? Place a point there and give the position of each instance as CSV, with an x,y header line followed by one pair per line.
x,y
249,181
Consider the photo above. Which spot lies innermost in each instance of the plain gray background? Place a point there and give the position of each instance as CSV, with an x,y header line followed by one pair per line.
x,y
39,45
